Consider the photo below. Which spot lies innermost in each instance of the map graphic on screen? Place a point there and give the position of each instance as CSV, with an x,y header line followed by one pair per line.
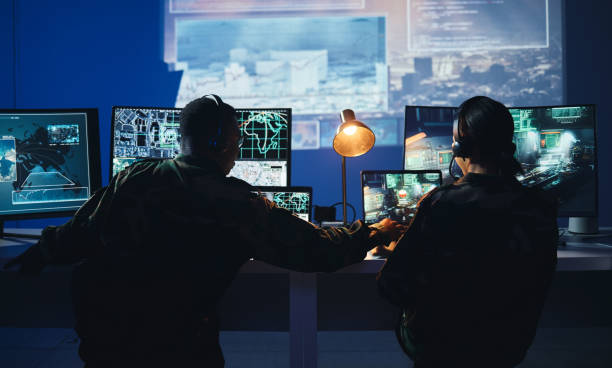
x,y
140,132
266,149
44,162
298,200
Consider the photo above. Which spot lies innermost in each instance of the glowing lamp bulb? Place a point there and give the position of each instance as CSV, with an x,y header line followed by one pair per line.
x,y
402,193
350,130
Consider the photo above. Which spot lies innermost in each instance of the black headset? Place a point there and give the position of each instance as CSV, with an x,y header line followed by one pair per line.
x,y
461,147
215,142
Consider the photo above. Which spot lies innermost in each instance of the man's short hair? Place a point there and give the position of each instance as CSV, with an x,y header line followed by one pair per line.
x,y
206,120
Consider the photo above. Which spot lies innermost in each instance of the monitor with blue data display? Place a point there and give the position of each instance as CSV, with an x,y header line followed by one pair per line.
x,y
49,161
298,200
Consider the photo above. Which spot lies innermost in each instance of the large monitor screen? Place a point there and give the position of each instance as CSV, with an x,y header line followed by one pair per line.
x,y
556,147
395,194
144,132
49,161
139,132
428,138
266,150
298,200
322,56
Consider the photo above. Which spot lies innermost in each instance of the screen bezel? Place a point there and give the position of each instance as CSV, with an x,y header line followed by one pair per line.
x,y
112,130
367,172
566,213
289,123
93,145
299,189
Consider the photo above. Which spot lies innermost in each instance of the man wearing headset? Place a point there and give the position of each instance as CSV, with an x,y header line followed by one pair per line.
x,y
472,271
159,246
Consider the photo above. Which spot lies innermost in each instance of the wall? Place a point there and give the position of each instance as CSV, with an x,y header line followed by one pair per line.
x,y
589,75
100,54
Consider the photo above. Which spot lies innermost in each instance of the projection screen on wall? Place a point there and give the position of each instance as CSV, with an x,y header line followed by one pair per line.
x,y
321,56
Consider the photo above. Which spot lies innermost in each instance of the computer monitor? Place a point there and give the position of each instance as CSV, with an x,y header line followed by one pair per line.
x,y
395,194
556,146
428,135
143,132
298,200
49,161
154,132
265,155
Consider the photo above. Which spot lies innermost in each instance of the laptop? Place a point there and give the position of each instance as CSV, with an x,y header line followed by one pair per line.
x,y
395,194
298,200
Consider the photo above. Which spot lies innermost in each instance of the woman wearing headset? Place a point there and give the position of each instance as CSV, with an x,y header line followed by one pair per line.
x,y
472,271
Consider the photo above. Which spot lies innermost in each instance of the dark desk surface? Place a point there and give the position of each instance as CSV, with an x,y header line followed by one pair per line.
x,y
577,255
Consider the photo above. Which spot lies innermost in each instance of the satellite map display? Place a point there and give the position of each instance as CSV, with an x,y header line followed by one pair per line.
x,y
296,202
144,133
394,195
264,155
43,162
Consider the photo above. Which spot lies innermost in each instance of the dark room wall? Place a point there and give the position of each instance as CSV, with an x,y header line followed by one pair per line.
x,y
7,85
589,77
99,54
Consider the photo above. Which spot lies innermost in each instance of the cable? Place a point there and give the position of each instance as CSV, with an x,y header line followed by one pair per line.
x,y
348,205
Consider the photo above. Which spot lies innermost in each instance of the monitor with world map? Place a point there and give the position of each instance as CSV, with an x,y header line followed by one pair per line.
x,y
264,158
297,200
154,132
49,161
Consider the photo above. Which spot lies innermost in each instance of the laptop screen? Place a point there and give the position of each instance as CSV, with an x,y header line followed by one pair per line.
x,y
395,194
298,200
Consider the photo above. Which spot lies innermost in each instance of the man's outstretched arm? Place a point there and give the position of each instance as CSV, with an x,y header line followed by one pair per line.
x,y
284,240
70,242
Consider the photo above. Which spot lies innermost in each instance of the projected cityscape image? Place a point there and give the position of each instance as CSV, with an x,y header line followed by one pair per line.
x,y
383,56
301,66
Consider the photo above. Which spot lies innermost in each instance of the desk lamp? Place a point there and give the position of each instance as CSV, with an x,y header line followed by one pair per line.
x,y
353,138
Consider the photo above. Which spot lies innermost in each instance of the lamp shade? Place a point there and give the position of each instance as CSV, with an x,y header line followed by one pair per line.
x,y
353,138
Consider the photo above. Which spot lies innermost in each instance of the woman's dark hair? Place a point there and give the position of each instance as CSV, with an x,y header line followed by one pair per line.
x,y
487,126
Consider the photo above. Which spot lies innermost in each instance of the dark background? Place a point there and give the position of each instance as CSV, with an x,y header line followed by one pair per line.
x,y
99,54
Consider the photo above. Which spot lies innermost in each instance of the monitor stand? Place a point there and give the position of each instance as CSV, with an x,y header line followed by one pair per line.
x,y
586,228
15,235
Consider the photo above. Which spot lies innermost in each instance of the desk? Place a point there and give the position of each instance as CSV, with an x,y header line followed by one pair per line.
x,y
303,304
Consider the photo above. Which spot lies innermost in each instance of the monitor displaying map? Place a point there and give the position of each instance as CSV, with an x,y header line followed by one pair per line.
x,y
49,161
395,194
139,132
265,153
144,132
298,200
